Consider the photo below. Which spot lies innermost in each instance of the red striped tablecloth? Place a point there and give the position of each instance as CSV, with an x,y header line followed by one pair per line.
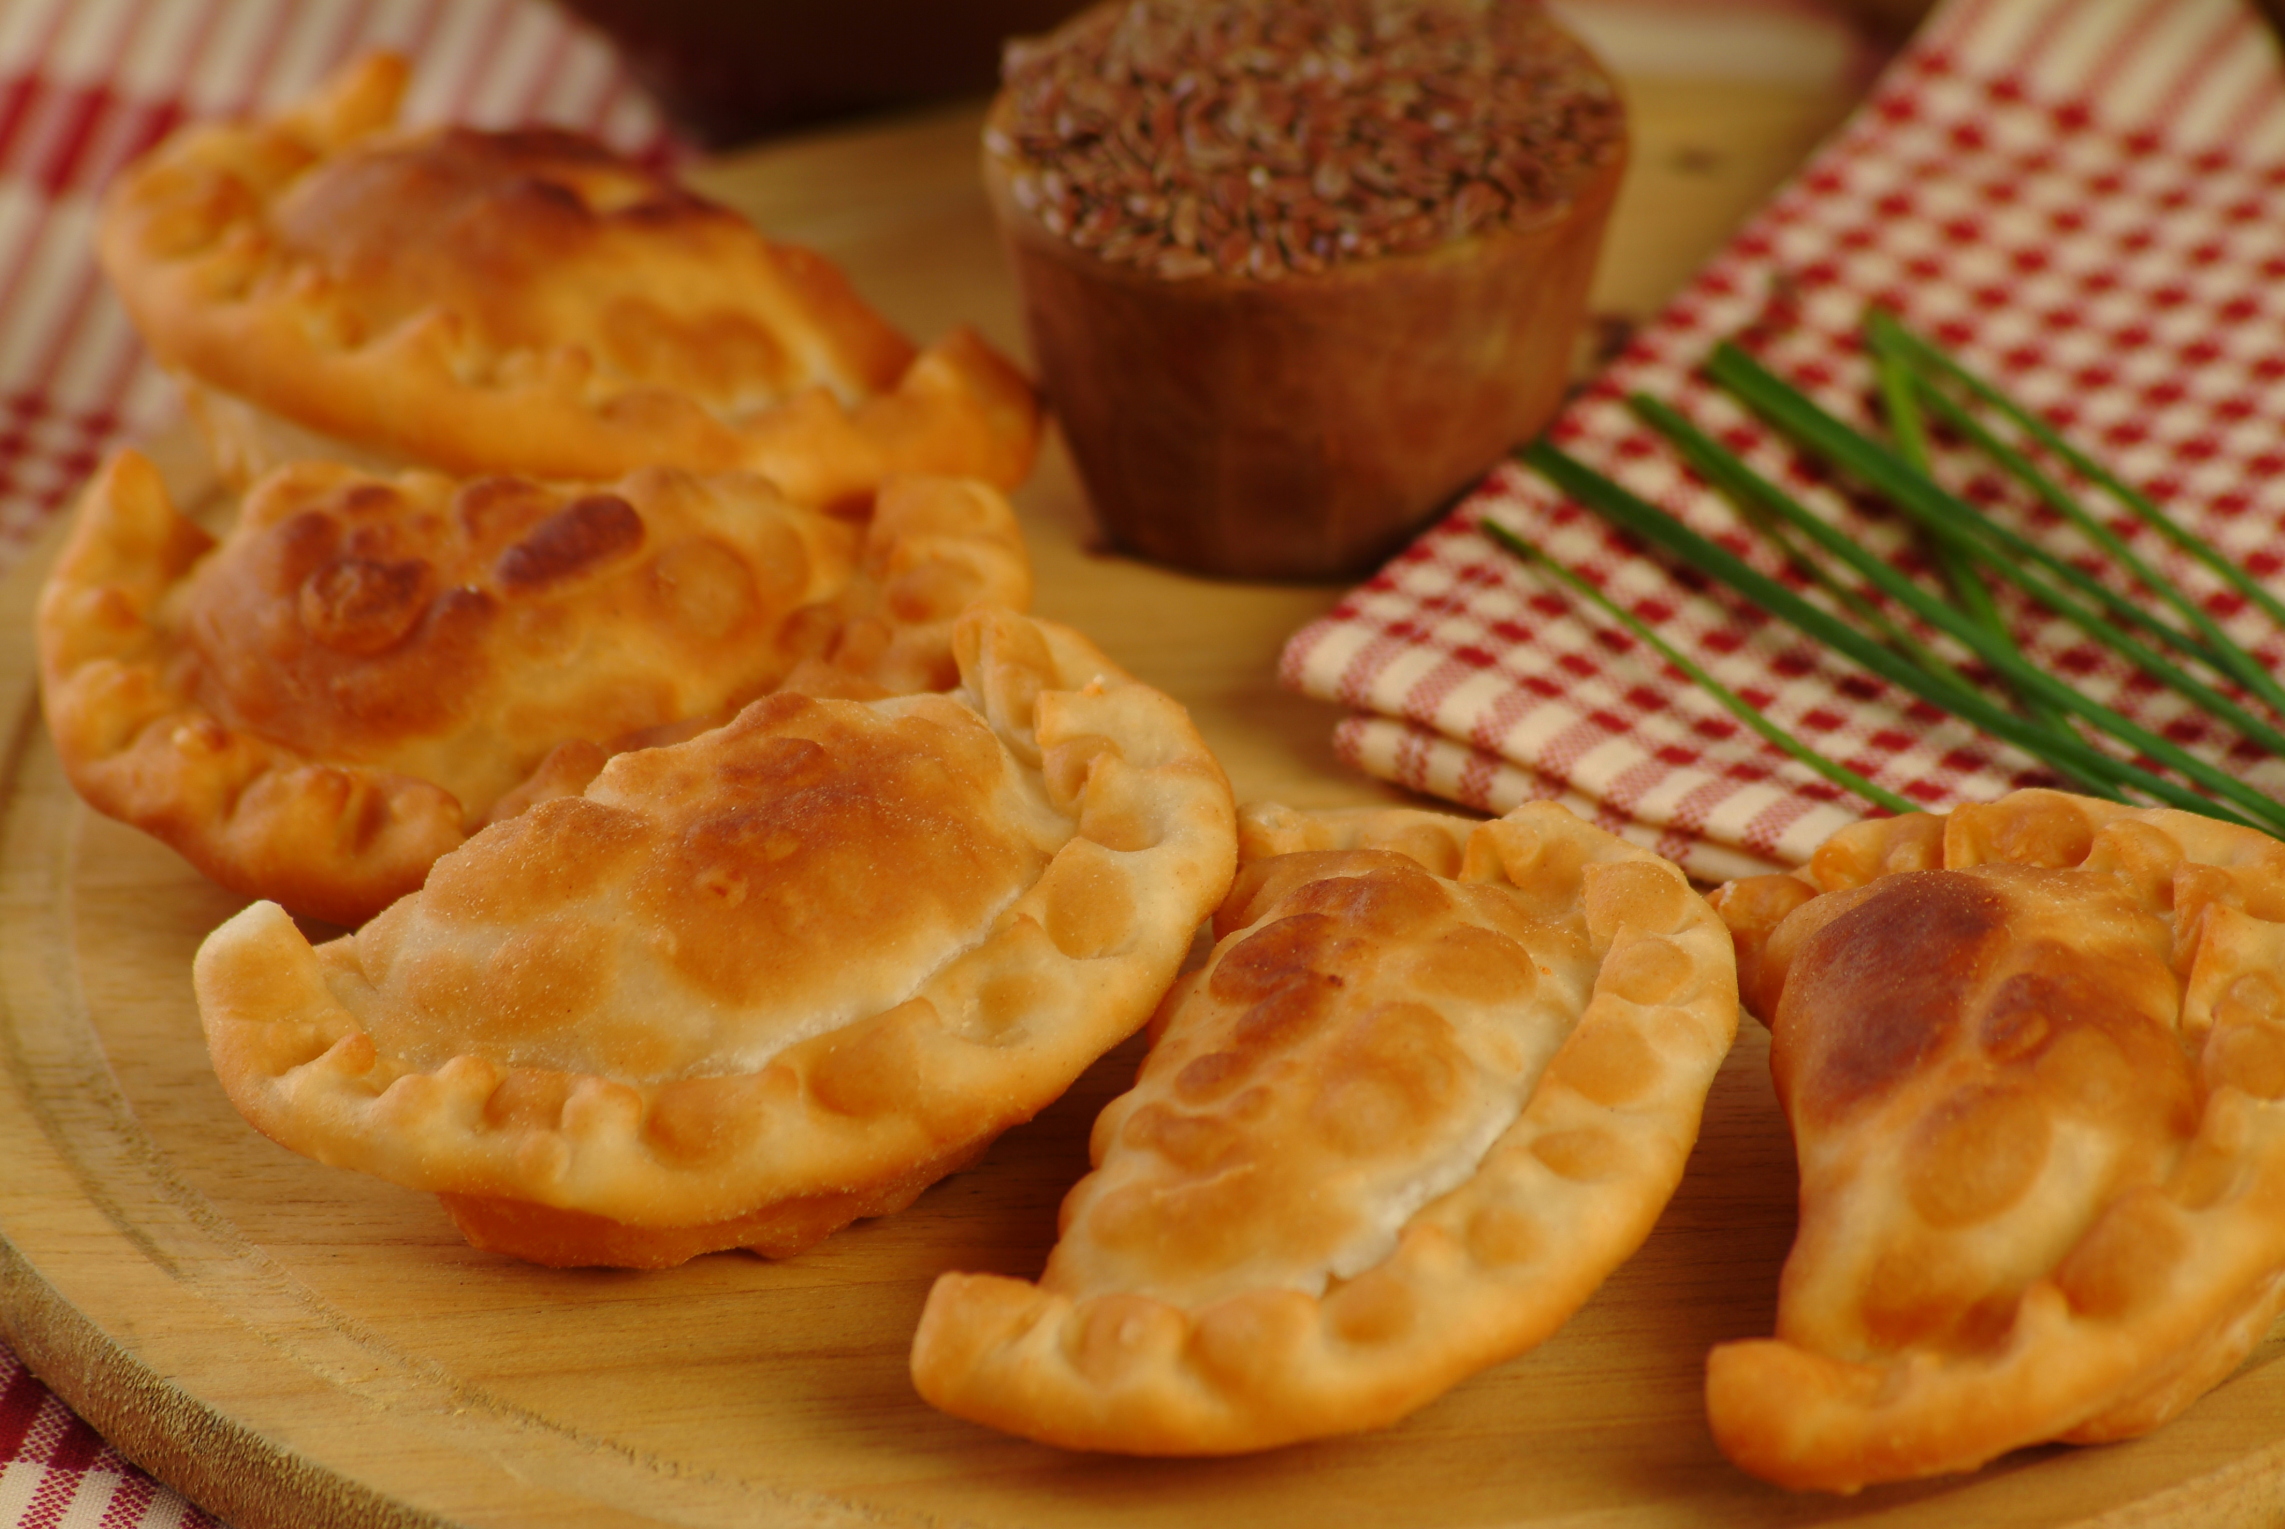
x,y
2085,198
87,84
84,86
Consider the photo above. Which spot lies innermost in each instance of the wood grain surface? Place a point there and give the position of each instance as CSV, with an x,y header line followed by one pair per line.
x,y
298,1346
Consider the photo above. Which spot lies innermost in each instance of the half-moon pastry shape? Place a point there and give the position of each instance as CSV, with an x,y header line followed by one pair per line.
x,y
325,284
754,985
2033,1054
1436,1081
366,669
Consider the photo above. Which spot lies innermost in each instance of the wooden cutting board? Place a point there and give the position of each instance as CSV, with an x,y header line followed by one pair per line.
x,y
297,1346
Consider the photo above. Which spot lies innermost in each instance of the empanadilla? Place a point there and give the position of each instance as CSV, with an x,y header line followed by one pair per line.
x,y
366,669
1436,1081
2032,1053
326,284
751,986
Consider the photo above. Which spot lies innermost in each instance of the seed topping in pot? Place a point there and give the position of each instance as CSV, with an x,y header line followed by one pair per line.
x,y
1264,138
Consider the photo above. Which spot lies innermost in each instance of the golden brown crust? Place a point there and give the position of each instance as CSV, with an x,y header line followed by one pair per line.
x,y
759,982
1435,840
573,1239
1397,1129
366,669
2032,1053
524,302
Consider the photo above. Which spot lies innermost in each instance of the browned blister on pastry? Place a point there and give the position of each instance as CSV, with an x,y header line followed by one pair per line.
x,y
2032,1053
1436,1081
749,987
366,669
325,284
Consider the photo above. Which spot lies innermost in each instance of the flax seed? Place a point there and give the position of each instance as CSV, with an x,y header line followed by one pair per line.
x,y
1271,137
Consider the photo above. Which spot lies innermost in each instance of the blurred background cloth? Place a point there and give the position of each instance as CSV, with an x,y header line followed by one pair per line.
x,y
728,71
85,85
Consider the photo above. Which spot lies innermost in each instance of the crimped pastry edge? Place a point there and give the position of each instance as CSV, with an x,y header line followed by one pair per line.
x,y
1808,1421
331,839
1468,1285
228,313
301,1069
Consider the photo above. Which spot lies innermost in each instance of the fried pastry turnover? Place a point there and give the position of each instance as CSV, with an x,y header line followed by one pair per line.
x,y
367,669
325,284
749,987
2032,1053
1436,1080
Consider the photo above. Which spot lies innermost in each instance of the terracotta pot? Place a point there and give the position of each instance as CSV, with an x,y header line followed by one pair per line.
x,y
1301,428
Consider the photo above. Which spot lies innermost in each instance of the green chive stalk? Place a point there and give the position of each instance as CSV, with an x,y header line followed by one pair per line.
x,y
1652,525
1727,470
1755,496
1839,774
1717,460
2140,504
2217,649
1795,415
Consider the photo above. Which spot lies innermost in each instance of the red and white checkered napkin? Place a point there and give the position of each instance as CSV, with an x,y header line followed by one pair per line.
x,y
85,85
57,1473
2084,199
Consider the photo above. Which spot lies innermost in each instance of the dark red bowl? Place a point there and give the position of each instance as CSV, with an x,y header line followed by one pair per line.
x,y
729,71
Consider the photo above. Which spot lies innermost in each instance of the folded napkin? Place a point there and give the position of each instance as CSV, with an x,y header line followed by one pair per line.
x,y
2082,199
85,85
